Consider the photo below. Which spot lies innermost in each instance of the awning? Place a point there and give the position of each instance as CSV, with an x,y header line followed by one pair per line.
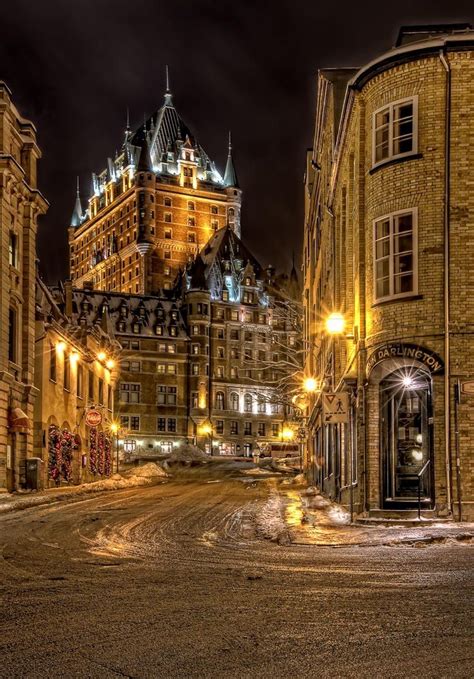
x,y
18,420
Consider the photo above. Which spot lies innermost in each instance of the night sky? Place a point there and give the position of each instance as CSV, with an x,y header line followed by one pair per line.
x,y
74,67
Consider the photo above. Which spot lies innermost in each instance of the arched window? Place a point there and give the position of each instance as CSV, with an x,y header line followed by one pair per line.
x,y
248,403
234,401
219,400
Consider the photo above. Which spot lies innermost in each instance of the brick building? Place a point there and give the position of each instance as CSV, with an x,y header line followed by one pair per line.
x,y
20,205
192,360
74,374
152,209
388,245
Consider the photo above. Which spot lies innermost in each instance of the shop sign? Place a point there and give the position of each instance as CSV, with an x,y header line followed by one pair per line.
x,y
93,418
394,350
467,387
336,408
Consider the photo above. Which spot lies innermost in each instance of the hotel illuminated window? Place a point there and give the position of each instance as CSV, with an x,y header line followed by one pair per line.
x,y
195,368
172,424
220,400
194,399
395,255
135,422
395,130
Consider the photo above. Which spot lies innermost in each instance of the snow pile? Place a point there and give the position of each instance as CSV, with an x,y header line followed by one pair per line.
x,y
188,453
146,471
338,516
317,502
270,522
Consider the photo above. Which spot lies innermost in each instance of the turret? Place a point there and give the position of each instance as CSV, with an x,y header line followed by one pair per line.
x,y
77,216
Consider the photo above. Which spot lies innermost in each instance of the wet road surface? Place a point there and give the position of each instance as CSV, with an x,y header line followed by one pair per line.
x,y
175,580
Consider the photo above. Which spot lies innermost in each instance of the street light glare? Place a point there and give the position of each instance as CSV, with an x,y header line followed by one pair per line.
x,y
114,427
101,355
110,364
287,434
335,324
310,384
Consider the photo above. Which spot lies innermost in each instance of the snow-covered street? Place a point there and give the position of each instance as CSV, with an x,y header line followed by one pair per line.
x,y
217,573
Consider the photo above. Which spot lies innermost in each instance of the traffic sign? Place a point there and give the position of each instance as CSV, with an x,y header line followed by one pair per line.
x,y
336,408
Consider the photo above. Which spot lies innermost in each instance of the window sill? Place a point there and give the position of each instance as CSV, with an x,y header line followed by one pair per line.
x,y
394,161
394,300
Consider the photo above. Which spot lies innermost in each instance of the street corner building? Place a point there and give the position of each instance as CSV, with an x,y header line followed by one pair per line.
x,y
158,253
389,246
21,204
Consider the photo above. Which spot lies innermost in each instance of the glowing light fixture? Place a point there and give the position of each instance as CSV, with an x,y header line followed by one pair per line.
x,y
114,427
110,364
101,355
310,384
407,382
335,323
287,434
74,357
60,346
205,429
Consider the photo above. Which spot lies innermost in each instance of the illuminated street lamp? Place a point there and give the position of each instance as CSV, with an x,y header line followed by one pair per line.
x,y
310,385
287,434
335,323
206,430
101,355
110,364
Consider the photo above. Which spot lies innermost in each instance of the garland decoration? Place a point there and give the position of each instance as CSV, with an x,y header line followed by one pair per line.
x,y
100,456
93,450
108,456
62,445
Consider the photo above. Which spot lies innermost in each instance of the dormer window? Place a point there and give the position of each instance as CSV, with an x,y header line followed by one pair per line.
x,y
158,329
248,280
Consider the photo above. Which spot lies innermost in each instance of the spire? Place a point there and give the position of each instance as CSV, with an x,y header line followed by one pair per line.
x,y
144,160
230,176
76,217
168,95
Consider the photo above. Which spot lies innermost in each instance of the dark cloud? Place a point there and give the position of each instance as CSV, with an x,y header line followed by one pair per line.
x,y
249,66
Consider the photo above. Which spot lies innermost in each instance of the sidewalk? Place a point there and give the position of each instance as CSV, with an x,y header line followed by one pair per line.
x,y
140,476
314,520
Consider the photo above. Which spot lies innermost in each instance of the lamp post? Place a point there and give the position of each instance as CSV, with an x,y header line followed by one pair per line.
x,y
114,428
335,327
206,430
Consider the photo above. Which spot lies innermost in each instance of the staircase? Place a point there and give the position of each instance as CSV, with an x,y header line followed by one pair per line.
x,y
401,517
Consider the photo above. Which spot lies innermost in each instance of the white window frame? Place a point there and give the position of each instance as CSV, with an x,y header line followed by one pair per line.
x,y
391,106
391,217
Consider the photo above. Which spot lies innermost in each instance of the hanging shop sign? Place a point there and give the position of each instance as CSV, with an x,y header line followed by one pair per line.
x,y
336,408
394,350
93,418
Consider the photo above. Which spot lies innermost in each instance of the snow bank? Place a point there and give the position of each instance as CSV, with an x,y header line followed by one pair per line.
x,y
146,471
188,453
270,522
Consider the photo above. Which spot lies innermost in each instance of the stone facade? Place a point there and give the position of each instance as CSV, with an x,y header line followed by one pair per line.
x,y
388,241
194,361
20,205
73,375
152,210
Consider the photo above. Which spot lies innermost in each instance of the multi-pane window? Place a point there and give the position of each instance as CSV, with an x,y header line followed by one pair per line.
x,y
395,255
168,234
131,366
261,429
135,422
166,395
220,400
234,401
247,428
219,426
262,406
248,403
234,427
275,429
195,368
166,424
395,130
129,392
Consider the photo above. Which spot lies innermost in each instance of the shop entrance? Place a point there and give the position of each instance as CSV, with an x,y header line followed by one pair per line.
x,y
406,438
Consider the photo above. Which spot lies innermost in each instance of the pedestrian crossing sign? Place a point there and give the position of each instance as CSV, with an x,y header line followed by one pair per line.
x,y
336,408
